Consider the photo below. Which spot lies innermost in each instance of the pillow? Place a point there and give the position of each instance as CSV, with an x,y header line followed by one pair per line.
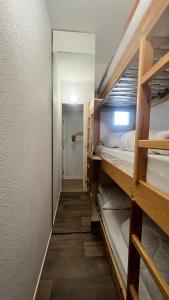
x,y
159,135
107,185
100,189
115,198
112,140
127,141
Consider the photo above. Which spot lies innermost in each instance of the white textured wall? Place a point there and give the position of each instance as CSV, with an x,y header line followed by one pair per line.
x,y
25,145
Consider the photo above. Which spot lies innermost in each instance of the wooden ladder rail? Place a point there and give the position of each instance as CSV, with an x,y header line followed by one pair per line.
x,y
155,273
140,169
158,278
146,71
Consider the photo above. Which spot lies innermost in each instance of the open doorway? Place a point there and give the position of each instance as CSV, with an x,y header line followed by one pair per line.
x,y
72,148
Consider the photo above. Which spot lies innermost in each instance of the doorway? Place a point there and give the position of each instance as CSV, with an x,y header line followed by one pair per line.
x,y
73,148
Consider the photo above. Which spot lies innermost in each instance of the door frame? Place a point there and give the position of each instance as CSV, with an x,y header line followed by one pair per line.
x,y
84,143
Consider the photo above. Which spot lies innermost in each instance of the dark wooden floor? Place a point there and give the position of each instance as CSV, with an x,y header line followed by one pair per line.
x,y
76,267
74,213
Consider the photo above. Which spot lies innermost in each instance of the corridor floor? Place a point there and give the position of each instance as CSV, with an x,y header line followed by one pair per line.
x,y
76,267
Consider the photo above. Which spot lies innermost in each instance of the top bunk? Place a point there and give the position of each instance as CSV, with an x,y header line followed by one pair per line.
x,y
119,84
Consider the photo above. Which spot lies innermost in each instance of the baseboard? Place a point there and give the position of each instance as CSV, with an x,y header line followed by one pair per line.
x,y
43,261
73,177
56,209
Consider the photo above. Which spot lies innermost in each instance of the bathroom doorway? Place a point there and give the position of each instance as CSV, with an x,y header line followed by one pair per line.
x,y
73,148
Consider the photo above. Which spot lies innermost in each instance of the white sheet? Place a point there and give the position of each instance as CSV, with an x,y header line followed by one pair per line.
x,y
157,168
112,140
114,198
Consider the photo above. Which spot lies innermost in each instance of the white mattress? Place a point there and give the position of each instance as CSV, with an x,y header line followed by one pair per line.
x,y
113,220
157,168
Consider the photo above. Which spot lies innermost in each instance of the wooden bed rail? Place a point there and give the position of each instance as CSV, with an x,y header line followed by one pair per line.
x,y
154,203
154,144
133,292
122,178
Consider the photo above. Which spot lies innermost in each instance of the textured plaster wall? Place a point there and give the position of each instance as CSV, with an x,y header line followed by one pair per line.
x,y
25,145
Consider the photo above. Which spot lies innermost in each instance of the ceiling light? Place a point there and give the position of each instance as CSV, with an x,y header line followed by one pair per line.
x,y
74,99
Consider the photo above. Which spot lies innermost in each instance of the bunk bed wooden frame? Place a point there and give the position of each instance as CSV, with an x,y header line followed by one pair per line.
x,y
145,198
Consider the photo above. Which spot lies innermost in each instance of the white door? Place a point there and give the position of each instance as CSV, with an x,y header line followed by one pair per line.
x,y
72,151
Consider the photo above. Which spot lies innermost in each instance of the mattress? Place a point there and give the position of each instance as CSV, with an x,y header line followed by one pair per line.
x,y
157,167
113,220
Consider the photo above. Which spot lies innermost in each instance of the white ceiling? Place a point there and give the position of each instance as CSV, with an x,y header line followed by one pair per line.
x,y
105,18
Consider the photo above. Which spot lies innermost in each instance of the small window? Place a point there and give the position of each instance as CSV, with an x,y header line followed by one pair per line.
x,y
121,118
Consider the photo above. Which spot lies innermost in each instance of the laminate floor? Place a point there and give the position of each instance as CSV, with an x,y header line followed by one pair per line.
x,y
72,185
76,266
74,214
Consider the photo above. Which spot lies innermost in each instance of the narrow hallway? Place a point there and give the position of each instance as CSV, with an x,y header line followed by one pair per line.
x,y
76,266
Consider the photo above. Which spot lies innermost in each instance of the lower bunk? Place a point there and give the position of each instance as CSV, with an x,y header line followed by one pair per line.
x,y
114,210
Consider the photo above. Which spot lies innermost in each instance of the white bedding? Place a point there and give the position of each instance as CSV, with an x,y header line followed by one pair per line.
x,y
157,168
127,140
113,219
114,198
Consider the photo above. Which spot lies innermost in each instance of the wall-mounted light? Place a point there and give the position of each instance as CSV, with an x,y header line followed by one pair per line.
x,y
74,99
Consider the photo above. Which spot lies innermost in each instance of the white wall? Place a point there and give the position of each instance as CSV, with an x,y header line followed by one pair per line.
x,y
159,117
73,151
75,75
76,72
105,123
83,90
25,145
73,42
106,120
57,117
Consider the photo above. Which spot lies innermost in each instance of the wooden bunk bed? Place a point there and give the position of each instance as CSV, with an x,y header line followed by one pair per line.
x,y
153,59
